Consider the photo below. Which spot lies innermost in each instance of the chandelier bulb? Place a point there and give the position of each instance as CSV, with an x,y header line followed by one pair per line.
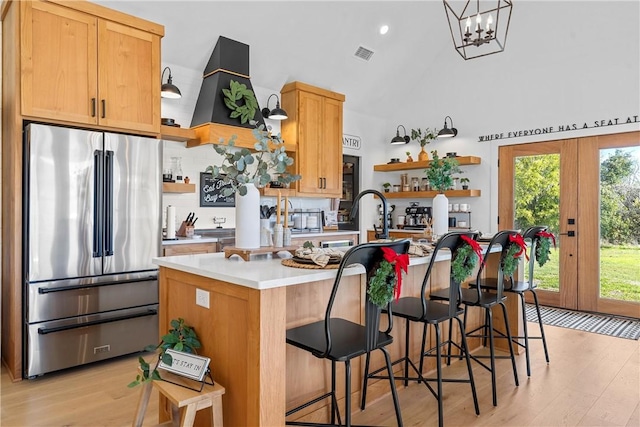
x,y
489,22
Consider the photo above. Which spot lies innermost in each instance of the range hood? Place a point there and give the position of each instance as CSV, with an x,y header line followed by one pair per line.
x,y
211,117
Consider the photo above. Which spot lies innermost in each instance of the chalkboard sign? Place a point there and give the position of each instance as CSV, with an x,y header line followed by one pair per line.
x,y
211,192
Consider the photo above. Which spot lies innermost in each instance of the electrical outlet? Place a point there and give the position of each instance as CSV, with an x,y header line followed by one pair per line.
x,y
202,298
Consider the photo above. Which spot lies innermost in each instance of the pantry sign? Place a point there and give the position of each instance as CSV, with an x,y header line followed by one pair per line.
x,y
351,141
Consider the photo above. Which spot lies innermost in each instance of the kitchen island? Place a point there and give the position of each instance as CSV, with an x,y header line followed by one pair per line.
x,y
251,305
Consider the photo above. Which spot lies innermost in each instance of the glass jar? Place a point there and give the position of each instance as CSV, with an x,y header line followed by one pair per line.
x,y
415,184
177,168
404,179
424,186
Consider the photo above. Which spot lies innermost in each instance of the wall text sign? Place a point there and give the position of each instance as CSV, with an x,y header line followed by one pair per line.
x,y
211,192
351,141
559,128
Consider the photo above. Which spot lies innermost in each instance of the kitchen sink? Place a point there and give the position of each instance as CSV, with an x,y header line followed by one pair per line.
x,y
226,236
216,232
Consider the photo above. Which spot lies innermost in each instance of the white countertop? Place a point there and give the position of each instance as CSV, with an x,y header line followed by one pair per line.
x,y
262,272
189,240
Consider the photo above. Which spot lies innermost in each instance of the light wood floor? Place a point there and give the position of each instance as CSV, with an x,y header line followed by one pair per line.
x,y
592,380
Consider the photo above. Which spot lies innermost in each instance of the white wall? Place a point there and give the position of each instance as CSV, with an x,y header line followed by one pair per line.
x,y
564,62
582,72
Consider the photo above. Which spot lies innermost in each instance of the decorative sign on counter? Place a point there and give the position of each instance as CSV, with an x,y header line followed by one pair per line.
x,y
519,133
351,141
186,364
211,192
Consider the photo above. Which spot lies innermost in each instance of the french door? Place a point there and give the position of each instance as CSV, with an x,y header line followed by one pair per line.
x,y
587,191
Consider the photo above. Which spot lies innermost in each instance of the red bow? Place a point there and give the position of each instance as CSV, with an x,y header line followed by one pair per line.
x,y
519,240
400,262
474,245
547,235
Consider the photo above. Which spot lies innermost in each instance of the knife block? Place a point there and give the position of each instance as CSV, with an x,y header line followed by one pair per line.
x,y
185,230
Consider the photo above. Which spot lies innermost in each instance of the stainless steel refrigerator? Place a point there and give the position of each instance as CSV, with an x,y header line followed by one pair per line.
x,y
92,224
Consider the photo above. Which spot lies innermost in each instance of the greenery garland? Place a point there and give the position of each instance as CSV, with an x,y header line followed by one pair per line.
x,y
463,263
543,250
236,92
382,284
181,337
510,261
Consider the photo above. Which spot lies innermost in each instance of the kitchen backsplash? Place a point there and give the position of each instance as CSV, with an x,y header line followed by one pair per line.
x,y
196,160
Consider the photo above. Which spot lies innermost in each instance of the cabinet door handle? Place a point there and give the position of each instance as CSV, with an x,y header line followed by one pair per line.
x,y
93,107
319,182
104,108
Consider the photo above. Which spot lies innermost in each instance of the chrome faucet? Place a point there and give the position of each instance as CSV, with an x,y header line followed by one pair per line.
x,y
385,225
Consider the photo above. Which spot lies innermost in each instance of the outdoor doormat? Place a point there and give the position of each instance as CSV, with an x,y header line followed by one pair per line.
x,y
620,327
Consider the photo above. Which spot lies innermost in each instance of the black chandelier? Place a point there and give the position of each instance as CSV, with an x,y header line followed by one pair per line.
x,y
474,29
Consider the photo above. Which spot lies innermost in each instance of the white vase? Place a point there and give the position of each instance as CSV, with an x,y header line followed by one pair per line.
x,y
248,219
440,215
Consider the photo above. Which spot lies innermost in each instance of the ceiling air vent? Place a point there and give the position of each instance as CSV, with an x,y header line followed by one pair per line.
x,y
364,53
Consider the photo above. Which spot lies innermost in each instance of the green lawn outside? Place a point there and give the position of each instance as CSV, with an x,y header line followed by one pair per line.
x,y
619,273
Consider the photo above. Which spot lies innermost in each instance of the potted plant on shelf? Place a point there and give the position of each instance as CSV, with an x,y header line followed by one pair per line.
x,y
465,183
180,337
244,172
423,138
409,158
440,176
386,186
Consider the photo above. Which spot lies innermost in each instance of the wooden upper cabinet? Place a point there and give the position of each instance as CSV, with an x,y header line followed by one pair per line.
x,y
315,126
59,63
80,68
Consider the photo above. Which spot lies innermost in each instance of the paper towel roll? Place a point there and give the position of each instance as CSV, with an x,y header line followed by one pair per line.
x,y
171,222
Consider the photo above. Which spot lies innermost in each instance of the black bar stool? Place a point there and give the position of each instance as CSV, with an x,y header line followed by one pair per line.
x,y
487,299
341,340
520,287
422,310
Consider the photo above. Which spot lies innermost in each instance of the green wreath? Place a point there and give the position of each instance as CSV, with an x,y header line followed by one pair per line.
x,y
463,263
543,250
236,92
510,261
382,284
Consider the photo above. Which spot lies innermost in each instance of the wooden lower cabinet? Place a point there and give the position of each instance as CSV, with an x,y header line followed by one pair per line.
x,y
189,249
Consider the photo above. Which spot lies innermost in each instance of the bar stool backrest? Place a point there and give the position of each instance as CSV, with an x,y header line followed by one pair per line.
x,y
368,255
531,234
501,238
451,242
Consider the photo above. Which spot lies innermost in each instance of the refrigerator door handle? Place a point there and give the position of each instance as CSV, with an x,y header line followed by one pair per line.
x,y
97,203
108,211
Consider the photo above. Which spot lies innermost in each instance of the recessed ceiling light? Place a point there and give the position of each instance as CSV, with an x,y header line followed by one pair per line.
x,y
384,29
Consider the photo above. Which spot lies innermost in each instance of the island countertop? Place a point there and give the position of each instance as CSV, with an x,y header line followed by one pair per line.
x,y
261,272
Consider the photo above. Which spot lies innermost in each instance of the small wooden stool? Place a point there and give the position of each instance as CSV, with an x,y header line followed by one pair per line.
x,y
209,397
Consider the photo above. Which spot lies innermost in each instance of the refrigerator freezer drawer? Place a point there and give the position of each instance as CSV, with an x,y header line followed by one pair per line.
x,y
62,344
70,298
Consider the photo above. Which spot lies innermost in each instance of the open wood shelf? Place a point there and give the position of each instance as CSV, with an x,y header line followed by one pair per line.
x,y
172,133
273,192
402,166
431,194
178,187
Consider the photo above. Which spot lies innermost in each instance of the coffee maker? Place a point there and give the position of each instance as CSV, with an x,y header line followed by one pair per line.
x,y
416,217
390,209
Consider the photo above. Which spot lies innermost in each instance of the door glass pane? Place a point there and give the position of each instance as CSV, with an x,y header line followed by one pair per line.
x,y
537,202
620,224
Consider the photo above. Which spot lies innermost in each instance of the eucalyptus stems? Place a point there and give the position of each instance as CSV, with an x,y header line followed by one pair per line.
x,y
241,166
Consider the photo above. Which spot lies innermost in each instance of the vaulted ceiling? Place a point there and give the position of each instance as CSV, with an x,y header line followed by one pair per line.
x,y
311,41
414,73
